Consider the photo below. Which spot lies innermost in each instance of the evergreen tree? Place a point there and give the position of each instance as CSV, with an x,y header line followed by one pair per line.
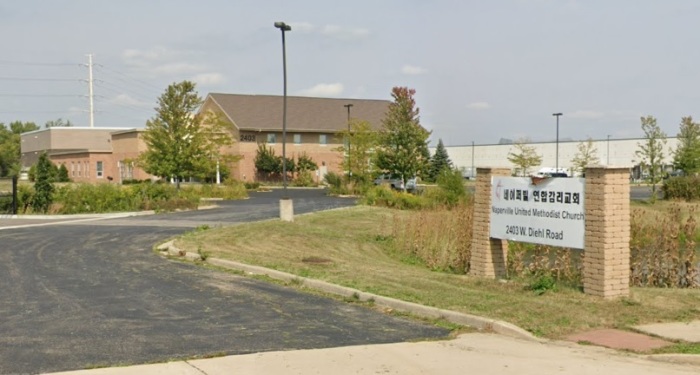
x,y
403,142
440,161
43,185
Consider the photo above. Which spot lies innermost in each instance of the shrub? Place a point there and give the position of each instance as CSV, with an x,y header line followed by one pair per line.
x,y
682,187
384,196
333,180
254,185
451,182
304,179
90,198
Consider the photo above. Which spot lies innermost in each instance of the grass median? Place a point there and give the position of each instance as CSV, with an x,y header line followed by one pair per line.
x,y
354,248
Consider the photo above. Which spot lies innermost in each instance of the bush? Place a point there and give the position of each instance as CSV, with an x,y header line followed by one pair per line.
x,y
451,182
304,179
682,187
252,185
384,196
89,198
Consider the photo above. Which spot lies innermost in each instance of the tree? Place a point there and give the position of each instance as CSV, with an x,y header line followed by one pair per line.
x,y
439,161
651,151
43,185
687,154
62,174
524,157
58,123
362,140
403,143
586,155
10,150
182,144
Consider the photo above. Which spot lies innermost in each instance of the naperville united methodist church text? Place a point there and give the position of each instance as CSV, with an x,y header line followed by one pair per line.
x,y
549,213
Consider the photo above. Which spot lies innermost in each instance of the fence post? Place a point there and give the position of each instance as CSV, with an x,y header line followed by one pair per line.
x,y
488,255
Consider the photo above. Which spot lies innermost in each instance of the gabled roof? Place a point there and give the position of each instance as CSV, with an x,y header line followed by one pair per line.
x,y
304,114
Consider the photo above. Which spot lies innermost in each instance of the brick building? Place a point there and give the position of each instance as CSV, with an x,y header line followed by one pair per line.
x,y
90,154
312,126
107,154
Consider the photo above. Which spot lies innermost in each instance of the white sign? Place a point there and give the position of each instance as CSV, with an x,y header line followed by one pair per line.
x,y
550,213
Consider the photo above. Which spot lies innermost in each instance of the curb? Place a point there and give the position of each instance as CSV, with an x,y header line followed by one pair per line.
x,y
480,323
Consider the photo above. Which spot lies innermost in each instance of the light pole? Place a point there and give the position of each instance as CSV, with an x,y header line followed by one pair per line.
x,y
286,208
608,153
557,155
348,106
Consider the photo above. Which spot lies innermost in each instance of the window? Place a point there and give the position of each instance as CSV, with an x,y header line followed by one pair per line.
x,y
72,169
98,167
272,138
80,168
297,139
323,139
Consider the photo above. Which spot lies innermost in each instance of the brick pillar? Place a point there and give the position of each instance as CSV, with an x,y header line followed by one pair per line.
x,y
488,255
606,266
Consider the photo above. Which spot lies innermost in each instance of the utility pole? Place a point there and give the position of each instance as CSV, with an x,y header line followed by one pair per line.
x,y
348,106
90,93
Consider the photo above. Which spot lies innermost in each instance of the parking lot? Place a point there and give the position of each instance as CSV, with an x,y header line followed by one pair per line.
x,y
93,293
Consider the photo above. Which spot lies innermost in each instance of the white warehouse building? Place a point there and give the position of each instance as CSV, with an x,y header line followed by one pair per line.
x,y
613,152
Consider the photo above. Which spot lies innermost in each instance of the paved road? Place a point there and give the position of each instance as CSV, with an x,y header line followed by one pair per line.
x,y
94,294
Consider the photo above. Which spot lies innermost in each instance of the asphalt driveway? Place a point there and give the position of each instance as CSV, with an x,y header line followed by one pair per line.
x,y
94,294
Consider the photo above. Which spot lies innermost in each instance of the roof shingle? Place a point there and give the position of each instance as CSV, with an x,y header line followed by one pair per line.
x,y
304,114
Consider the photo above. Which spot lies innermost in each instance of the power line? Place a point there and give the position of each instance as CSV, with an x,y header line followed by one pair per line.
x,y
41,95
144,84
39,79
28,63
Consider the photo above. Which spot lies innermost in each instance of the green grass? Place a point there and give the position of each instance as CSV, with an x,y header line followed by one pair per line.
x,y
356,246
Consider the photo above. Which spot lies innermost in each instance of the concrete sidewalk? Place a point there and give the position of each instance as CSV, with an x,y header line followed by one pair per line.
x,y
476,353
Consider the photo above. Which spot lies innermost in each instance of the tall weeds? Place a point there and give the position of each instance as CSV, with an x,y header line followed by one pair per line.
x,y
439,237
663,248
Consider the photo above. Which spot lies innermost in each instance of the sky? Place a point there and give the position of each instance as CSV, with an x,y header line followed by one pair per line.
x,y
482,70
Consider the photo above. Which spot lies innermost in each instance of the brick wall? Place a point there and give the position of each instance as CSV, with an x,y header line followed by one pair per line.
x,y
488,257
606,266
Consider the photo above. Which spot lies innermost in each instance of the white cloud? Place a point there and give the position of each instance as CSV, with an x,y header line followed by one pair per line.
x,y
479,105
208,78
412,70
323,90
126,100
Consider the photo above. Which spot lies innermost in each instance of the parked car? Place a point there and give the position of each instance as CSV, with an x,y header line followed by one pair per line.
x,y
397,183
